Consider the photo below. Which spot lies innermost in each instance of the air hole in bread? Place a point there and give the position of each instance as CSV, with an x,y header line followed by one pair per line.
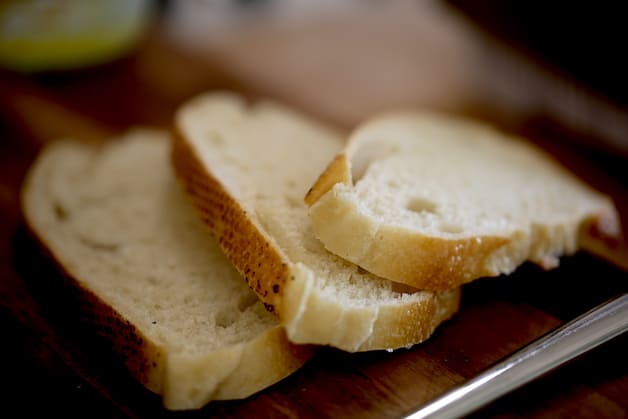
x,y
60,212
96,245
452,228
403,288
294,202
225,319
421,205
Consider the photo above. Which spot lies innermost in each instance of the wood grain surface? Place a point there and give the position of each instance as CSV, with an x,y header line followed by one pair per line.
x,y
51,364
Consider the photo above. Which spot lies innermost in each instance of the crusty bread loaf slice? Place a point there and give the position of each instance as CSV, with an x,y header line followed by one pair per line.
x,y
153,280
247,168
435,201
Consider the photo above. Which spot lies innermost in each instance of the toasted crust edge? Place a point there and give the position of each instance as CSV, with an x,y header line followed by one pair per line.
x,y
255,256
338,171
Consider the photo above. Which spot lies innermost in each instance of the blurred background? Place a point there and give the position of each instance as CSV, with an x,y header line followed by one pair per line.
x,y
551,72
512,62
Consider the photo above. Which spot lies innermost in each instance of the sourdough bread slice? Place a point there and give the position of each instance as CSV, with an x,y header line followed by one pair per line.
x,y
153,280
434,201
247,169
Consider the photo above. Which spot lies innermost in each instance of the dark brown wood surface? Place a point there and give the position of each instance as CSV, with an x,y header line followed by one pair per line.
x,y
51,365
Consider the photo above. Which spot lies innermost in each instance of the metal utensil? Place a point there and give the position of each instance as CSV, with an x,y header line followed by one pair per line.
x,y
550,351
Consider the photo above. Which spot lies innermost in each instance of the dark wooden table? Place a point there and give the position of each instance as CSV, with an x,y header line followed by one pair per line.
x,y
51,367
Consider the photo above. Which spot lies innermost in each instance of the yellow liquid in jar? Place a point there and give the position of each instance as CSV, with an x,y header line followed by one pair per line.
x,y
37,35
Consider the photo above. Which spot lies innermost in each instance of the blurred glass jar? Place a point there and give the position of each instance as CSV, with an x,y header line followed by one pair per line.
x,y
42,35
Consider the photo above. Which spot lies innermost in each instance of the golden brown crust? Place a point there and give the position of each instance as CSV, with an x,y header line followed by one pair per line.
x,y
419,261
254,255
337,171
432,264
414,324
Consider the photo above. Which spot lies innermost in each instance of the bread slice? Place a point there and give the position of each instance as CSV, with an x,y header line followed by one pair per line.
x,y
434,201
247,169
117,222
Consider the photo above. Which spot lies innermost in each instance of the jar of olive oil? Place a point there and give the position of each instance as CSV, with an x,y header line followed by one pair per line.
x,y
43,35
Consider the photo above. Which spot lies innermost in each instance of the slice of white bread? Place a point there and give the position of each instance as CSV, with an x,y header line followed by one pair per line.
x,y
435,201
247,168
154,281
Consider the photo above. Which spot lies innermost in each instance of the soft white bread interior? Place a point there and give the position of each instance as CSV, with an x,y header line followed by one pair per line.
x,y
153,280
434,201
247,168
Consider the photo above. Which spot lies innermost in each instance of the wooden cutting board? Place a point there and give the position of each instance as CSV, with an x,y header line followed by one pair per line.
x,y
52,366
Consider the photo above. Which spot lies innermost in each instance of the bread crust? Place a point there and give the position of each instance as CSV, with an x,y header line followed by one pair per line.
x,y
254,255
336,172
426,262
289,289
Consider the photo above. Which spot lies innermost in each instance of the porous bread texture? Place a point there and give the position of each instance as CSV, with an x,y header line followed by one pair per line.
x,y
435,201
116,220
247,169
